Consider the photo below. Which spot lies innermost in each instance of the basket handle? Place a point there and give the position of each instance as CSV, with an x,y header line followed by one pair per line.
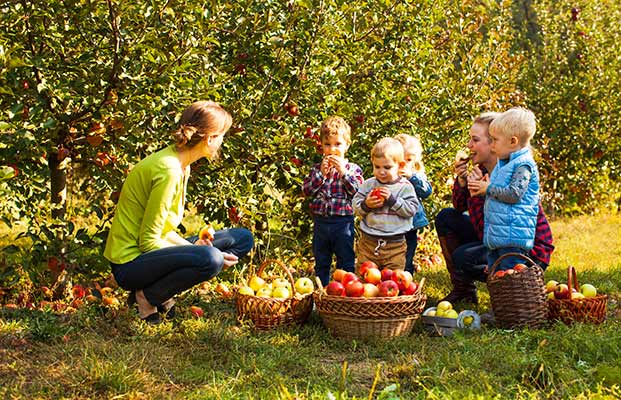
x,y
530,262
572,278
282,265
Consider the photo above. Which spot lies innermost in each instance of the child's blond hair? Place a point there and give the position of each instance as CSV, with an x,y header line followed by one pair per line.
x,y
335,126
518,121
389,148
411,144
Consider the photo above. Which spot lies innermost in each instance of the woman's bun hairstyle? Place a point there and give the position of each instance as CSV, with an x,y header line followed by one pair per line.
x,y
201,119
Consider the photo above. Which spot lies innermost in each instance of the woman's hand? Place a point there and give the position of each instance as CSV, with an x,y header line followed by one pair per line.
x,y
203,242
460,168
229,260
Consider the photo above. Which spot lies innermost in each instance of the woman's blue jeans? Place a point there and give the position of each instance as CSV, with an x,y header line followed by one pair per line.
x,y
163,273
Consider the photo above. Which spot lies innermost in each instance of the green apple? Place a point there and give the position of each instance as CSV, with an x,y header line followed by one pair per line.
x,y
444,305
468,320
264,292
588,290
281,292
551,296
440,313
247,290
431,313
450,313
577,295
304,285
256,283
281,282
551,286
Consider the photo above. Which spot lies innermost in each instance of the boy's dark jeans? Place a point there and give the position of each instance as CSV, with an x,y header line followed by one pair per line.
x,y
333,235
163,273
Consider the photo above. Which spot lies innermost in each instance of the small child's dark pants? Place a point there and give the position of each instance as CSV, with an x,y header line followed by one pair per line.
x,y
411,239
333,236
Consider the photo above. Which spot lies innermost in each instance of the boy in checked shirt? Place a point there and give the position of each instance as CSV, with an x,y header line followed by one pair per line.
x,y
331,186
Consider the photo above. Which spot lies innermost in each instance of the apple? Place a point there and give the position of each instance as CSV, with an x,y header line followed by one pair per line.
x,y
247,290
281,292
387,274
410,289
402,278
78,291
207,233
354,288
372,275
111,301
450,314
265,291
335,288
281,282
388,289
588,290
223,290
519,267
510,271
431,313
551,286
370,290
365,266
338,275
551,295
499,274
376,193
468,320
349,277
256,283
304,285
197,311
443,306
561,291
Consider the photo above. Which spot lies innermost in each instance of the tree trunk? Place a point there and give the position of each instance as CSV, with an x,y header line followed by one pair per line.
x,y
58,186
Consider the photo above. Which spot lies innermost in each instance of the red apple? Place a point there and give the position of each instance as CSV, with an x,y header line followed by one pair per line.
x,y
402,278
372,275
335,288
388,289
349,277
370,290
338,275
410,289
520,267
197,311
365,266
561,291
500,274
387,274
354,288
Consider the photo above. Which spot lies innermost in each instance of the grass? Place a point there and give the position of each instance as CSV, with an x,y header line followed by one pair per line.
x,y
98,352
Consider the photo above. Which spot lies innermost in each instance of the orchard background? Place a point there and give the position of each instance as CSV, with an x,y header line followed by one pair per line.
x,y
88,88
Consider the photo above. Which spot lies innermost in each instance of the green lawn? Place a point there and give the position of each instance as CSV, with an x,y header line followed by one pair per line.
x,y
101,353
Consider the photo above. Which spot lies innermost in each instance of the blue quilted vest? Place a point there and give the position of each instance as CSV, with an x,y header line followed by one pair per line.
x,y
512,225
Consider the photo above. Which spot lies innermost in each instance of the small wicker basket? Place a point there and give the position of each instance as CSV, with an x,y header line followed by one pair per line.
x,y
361,317
518,300
269,313
589,310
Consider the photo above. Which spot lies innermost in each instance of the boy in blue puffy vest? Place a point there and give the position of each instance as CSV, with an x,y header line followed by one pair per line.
x,y
512,190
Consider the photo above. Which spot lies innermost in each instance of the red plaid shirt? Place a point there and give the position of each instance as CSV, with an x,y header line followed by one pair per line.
x,y
332,195
543,247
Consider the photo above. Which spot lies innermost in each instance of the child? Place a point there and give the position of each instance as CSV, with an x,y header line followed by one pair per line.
x,y
386,204
331,185
512,189
414,171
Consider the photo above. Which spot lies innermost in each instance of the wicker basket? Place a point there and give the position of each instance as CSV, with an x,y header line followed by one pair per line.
x,y
519,299
269,313
360,317
589,310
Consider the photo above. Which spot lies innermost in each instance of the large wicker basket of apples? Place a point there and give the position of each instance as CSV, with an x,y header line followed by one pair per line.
x,y
377,303
275,301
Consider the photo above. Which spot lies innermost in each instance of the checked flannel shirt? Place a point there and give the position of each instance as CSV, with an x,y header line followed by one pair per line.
x,y
462,201
332,195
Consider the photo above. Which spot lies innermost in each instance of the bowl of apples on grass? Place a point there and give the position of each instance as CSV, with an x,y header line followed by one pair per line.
x,y
443,319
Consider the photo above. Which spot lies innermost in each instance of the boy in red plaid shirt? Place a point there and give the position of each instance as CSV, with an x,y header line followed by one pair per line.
x,y
331,186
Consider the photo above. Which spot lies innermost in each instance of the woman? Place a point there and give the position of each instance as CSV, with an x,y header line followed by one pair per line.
x,y
147,255
460,229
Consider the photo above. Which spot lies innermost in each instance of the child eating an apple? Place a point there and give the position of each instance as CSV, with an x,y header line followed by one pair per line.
x,y
331,186
414,171
512,190
386,204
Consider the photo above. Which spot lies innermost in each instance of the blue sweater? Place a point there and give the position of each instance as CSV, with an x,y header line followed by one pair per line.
x,y
512,225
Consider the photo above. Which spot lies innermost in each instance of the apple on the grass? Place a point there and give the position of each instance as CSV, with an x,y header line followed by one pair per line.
x,y
197,311
349,277
372,275
365,266
402,278
304,285
588,290
370,290
388,289
387,274
354,288
338,274
335,288
551,286
256,283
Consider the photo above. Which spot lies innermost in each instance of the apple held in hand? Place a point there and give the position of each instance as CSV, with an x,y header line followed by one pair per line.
x,y
207,233
588,290
304,285
354,288
388,289
335,288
